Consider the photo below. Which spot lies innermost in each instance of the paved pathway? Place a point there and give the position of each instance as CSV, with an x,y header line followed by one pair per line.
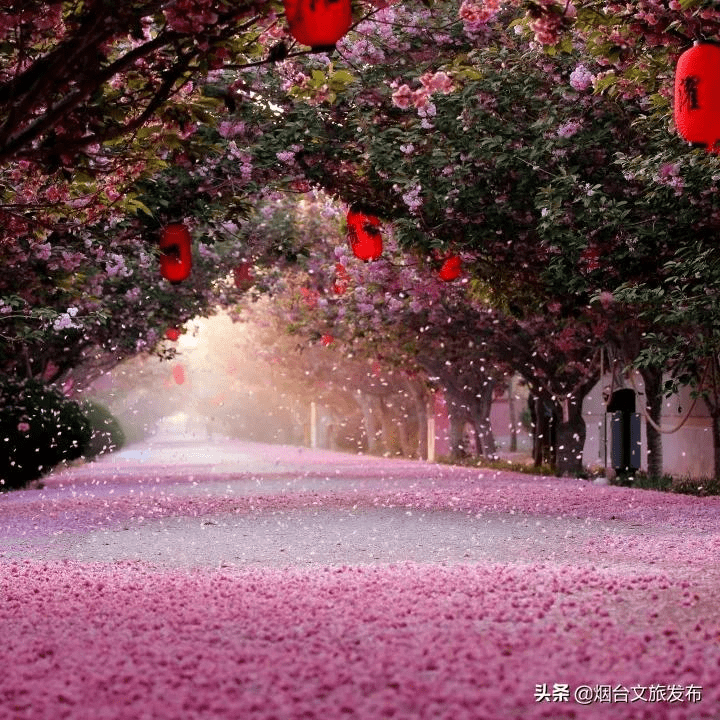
x,y
574,584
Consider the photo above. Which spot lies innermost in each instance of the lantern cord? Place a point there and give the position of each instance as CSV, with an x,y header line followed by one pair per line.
x,y
649,420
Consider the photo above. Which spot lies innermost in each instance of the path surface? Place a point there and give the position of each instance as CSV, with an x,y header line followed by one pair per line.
x,y
236,580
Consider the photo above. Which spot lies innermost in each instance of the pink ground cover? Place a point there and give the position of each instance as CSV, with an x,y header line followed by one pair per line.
x,y
126,641
460,642
107,503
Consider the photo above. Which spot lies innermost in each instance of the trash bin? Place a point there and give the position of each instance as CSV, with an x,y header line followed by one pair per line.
x,y
624,431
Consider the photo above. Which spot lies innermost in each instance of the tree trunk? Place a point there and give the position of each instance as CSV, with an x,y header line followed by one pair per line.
x,y
458,415
457,427
419,399
571,439
512,411
716,443
652,377
481,416
371,421
713,407
390,428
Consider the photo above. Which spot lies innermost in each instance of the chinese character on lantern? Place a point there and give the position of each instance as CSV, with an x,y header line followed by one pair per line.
x,y
176,257
697,95
364,235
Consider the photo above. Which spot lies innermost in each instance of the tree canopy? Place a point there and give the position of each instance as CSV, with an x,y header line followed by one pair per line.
x,y
533,141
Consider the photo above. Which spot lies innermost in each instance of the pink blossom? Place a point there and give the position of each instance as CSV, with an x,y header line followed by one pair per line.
x,y
403,97
581,78
412,198
437,82
56,193
669,170
42,252
23,427
286,156
474,13
669,175
71,260
231,129
569,129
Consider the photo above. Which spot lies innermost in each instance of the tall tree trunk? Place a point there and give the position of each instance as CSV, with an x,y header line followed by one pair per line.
x,y
712,402
419,399
715,414
371,421
421,411
457,428
458,415
512,412
389,428
652,377
482,406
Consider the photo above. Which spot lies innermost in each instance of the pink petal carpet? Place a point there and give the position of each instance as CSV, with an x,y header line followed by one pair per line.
x,y
622,623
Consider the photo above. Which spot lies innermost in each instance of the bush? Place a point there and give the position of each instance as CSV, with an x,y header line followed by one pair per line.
x,y
668,483
107,434
39,428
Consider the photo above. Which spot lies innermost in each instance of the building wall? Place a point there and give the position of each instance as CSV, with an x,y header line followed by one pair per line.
x,y
687,452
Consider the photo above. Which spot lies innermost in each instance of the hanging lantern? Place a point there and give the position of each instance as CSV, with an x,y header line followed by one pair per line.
x,y
318,23
364,235
697,95
176,258
172,334
243,275
450,269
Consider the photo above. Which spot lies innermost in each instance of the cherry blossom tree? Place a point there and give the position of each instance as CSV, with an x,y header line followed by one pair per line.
x,y
551,167
535,142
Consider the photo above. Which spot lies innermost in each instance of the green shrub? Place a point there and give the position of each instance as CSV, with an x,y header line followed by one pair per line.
x,y
39,428
668,483
107,434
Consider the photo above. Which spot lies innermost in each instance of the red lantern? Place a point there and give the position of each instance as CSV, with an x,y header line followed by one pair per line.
x,y
450,269
697,95
172,334
176,258
318,23
243,275
364,235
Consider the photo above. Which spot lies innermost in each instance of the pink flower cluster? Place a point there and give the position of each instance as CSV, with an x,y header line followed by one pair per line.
x,y
188,16
476,15
570,128
670,175
404,96
581,78
549,19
